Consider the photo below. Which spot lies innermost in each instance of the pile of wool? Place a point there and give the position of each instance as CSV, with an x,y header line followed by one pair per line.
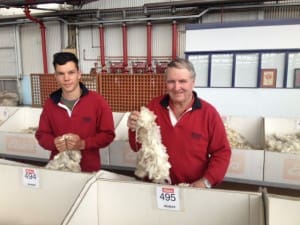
x,y
9,98
283,143
29,130
152,158
236,140
66,160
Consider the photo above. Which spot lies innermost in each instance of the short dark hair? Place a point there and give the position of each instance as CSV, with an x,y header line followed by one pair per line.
x,y
182,63
61,58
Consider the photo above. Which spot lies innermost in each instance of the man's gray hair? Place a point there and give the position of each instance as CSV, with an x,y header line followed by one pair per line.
x,y
181,63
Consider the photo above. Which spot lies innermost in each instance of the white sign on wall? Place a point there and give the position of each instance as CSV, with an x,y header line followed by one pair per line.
x,y
243,38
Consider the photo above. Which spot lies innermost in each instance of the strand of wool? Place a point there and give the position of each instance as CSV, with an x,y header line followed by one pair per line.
x,y
152,158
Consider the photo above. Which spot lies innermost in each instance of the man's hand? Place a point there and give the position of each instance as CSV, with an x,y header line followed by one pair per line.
x,y
74,142
132,118
202,183
69,142
60,143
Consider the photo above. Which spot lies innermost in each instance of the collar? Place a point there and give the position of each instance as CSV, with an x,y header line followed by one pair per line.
x,y
165,102
56,95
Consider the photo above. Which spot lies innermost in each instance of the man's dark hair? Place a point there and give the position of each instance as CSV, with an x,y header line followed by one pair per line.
x,y
61,58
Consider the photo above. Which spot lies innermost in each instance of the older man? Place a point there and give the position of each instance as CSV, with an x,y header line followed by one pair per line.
x,y
191,129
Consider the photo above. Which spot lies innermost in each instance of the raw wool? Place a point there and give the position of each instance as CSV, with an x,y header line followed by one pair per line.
x,y
29,130
9,98
283,143
66,160
184,185
236,140
152,158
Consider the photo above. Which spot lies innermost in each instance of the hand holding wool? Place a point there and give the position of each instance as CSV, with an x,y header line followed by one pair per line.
x,y
66,160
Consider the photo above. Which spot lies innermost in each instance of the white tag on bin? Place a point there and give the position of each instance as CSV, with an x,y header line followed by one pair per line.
x,y
31,177
168,198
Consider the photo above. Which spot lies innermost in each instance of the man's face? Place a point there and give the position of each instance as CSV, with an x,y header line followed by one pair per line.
x,y
67,76
180,85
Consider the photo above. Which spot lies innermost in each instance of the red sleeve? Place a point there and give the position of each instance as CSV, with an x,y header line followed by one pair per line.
x,y
135,146
219,150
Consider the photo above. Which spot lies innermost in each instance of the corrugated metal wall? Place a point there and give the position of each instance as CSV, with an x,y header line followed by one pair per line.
x,y
32,47
29,36
9,71
8,52
121,3
88,37
136,43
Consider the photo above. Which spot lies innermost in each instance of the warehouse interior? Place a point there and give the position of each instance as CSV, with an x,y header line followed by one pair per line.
x,y
124,47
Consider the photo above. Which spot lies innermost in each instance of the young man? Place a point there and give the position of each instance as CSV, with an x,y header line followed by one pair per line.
x,y
191,129
73,111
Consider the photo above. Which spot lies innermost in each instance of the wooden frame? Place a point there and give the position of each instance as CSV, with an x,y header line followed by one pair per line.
x,y
297,78
268,78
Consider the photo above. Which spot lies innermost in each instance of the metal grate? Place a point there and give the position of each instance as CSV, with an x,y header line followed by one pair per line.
x,y
123,92
42,85
129,92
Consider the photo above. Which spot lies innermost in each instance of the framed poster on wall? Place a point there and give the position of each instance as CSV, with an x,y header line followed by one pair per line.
x,y
297,78
268,78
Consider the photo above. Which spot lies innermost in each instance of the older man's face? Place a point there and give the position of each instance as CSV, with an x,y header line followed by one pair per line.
x,y
180,85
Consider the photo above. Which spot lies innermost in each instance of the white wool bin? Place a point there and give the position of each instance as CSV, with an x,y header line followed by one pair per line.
x,y
121,128
247,164
282,168
282,210
104,202
17,135
46,203
121,155
104,154
6,112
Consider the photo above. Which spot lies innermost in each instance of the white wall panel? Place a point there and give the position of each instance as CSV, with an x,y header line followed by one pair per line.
x,y
137,41
54,42
119,3
89,50
162,40
113,41
7,36
273,102
244,38
230,16
31,45
8,64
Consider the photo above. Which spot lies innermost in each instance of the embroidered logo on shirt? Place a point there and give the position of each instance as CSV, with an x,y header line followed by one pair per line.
x,y
86,119
196,135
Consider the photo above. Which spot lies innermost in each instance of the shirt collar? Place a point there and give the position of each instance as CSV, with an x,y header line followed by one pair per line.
x,y
56,95
165,102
